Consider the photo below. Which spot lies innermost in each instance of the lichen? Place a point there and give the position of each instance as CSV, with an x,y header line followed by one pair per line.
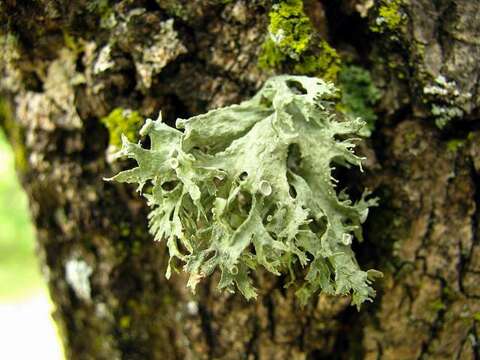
x,y
446,100
103,9
99,7
9,58
251,185
165,46
152,49
54,108
77,274
293,41
359,96
173,8
104,60
122,121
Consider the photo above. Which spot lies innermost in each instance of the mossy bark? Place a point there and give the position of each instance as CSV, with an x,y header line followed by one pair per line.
x,y
67,64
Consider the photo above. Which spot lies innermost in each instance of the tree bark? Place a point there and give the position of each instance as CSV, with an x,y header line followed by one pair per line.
x,y
67,64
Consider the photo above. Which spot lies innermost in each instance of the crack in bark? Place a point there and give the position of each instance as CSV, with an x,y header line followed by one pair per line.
x,y
435,327
208,333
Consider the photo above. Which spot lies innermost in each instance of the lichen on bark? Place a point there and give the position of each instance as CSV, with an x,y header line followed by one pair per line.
x,y
251,185
423,236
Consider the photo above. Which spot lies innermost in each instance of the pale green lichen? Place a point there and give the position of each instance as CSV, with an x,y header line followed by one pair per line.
x,y
151,52
163,47
359,96
122,121
251,185
293,41
77,274
446,100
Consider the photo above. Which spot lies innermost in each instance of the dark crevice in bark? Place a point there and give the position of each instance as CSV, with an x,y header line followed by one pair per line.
x,y
441,36
459,130
476,214
476,339
379,141
438,322
268,302
152,5
208,332
472,339
95,146
350,337
426,238
180,111
32,82
348,29
252,342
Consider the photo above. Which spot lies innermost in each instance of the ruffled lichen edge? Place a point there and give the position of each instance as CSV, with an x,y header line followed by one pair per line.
x,y
251,185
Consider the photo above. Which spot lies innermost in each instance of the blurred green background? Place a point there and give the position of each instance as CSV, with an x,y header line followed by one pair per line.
x,y
19,272
27,330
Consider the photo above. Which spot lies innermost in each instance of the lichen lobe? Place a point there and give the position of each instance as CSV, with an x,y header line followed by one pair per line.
x,y
251,185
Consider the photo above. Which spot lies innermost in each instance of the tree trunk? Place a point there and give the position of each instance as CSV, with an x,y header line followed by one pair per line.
x,y
68,64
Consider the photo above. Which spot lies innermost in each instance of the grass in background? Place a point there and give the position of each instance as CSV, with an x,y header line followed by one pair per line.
x,y
19,271
26,327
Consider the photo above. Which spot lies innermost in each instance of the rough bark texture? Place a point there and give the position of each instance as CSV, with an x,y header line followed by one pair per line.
x,y
67,64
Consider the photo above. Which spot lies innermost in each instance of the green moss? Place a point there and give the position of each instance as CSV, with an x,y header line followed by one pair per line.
x,y
391,13
410,138
73,43
455,144
136,248
359,95
104,11
125,322
293,42
437,305
390,16
121,121
290,29
449,294
176,9
476,316
15,135
327,64
124,229
99,7
271,57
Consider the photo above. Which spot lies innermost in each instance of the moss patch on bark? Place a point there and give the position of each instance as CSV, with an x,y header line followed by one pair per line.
x,y
293,43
